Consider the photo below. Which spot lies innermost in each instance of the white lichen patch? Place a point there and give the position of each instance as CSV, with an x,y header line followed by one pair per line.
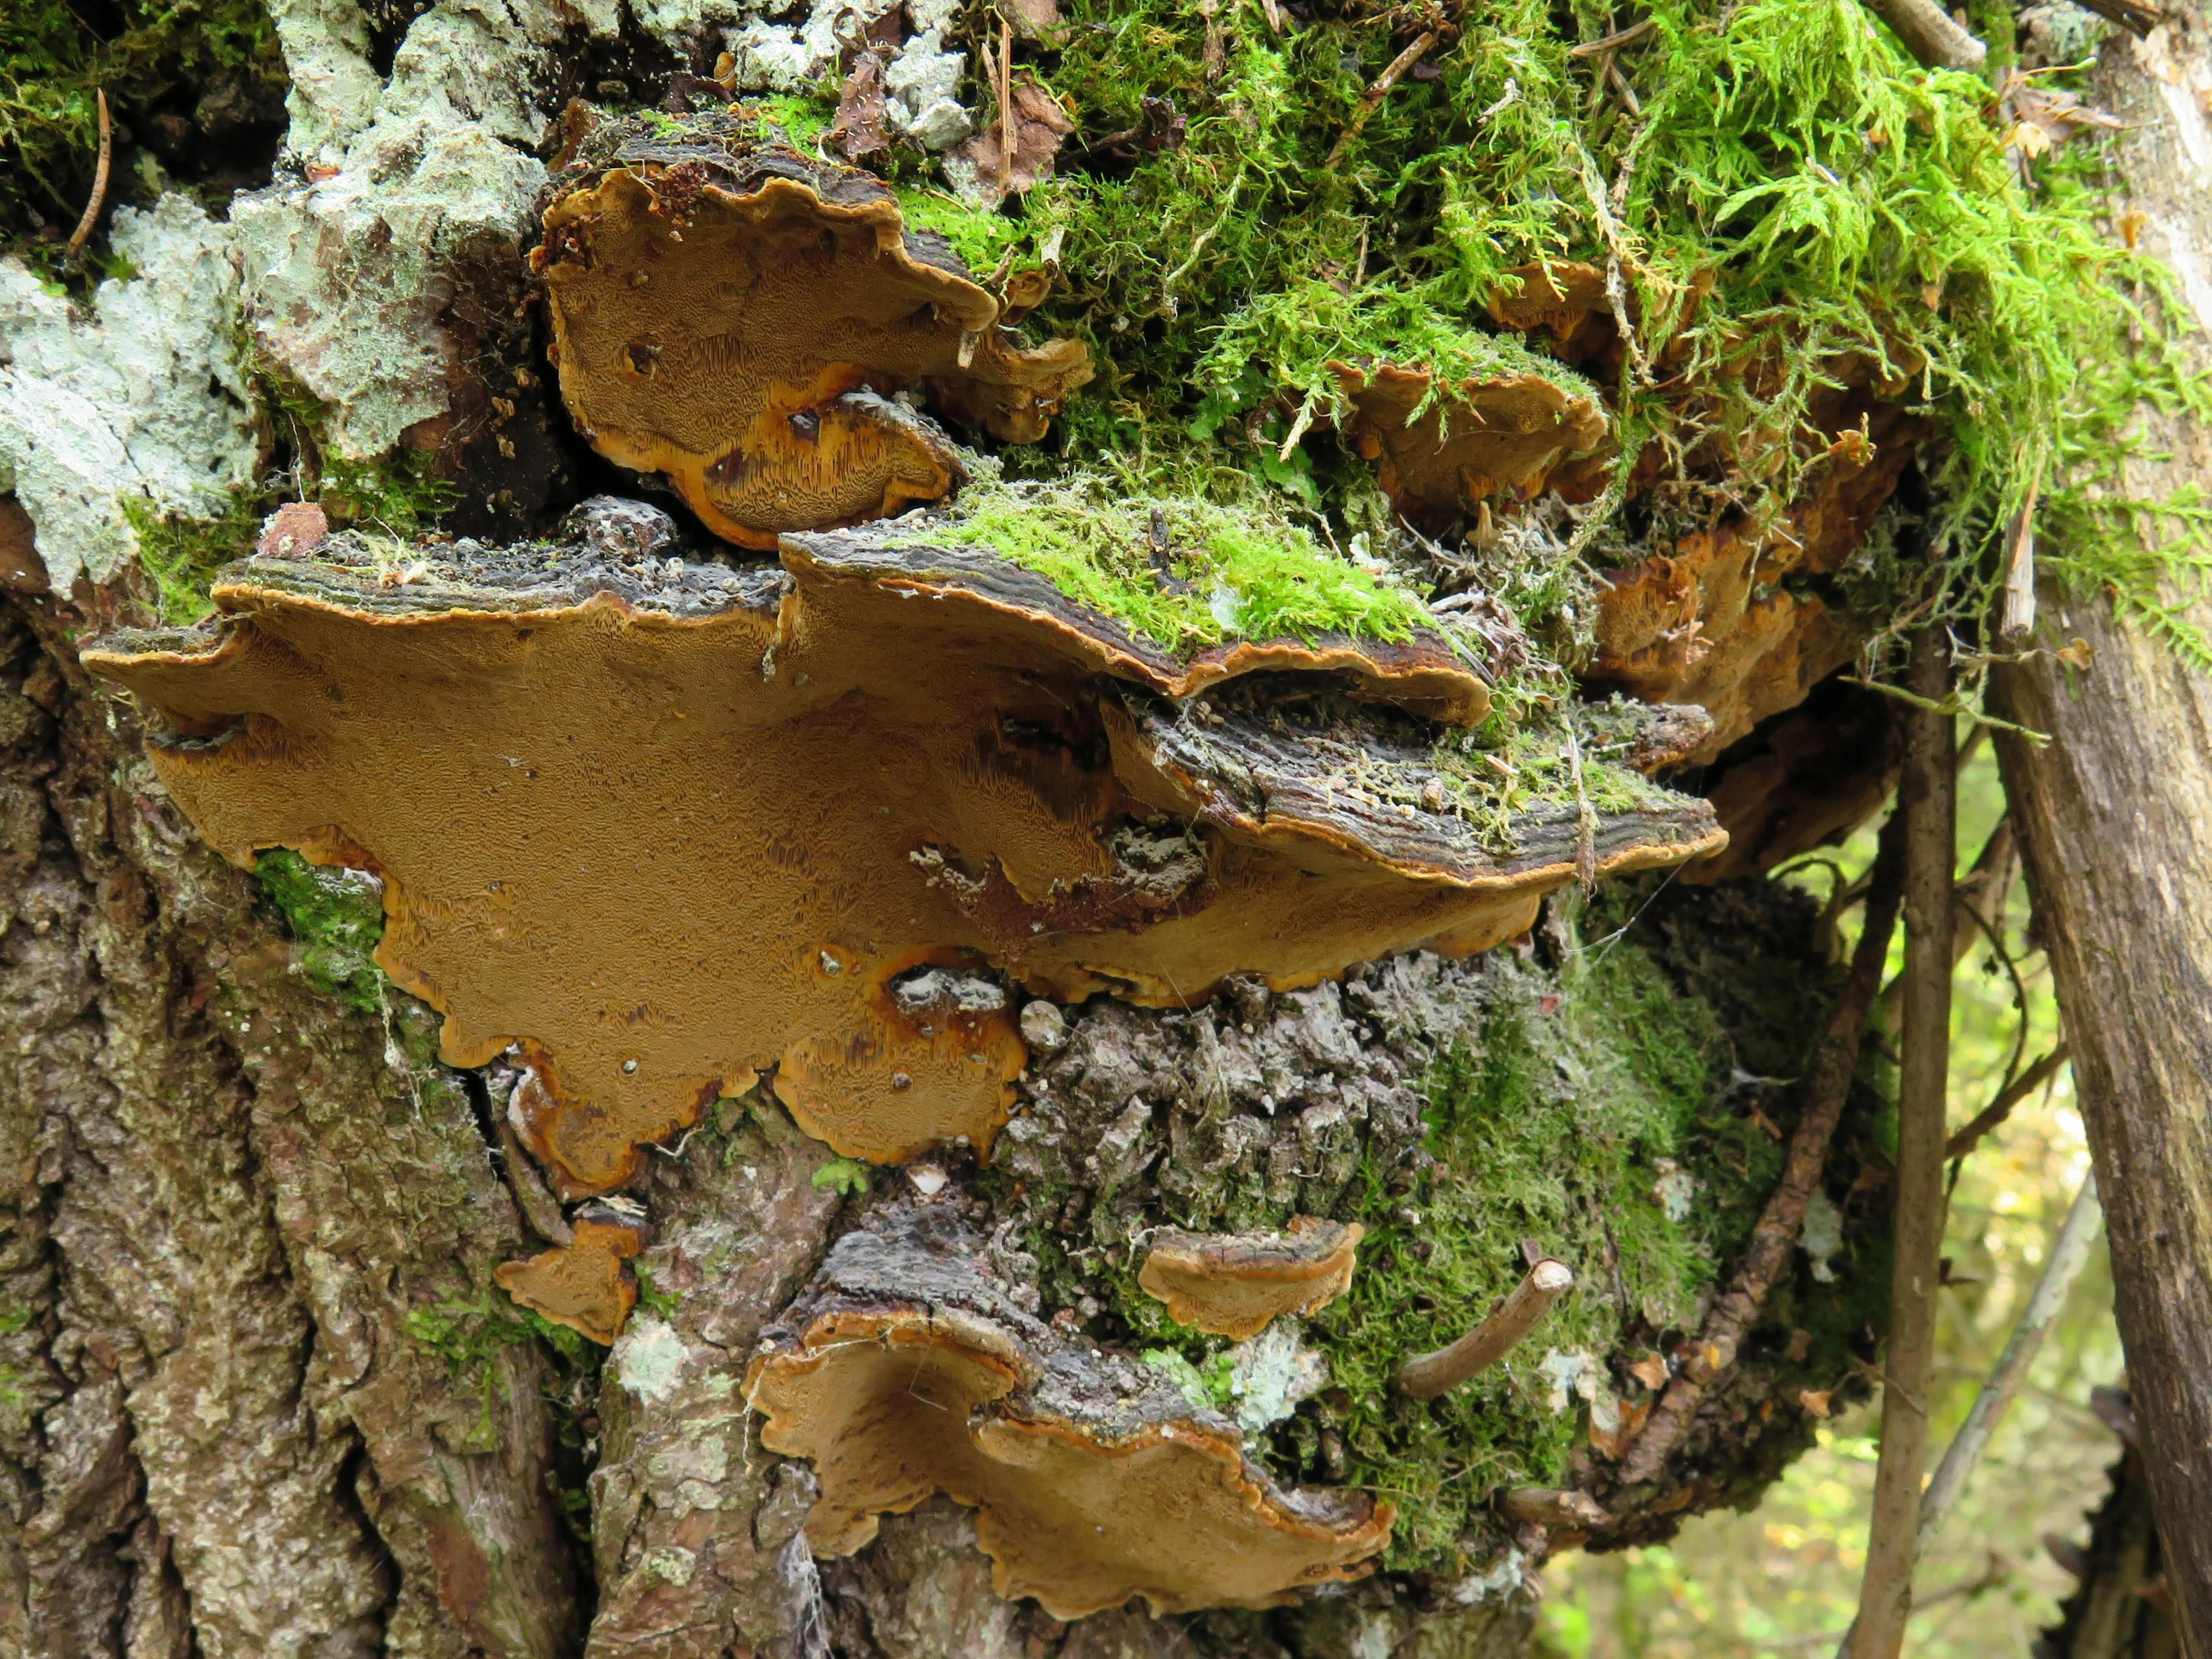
x,y
1270,1373
1500,1579
1570,1375
144,401
1822,1235
669,1564
1674,1190
648,1358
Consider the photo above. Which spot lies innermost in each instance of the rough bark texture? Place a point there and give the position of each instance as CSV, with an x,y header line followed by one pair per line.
x,y
227,1192
2116,819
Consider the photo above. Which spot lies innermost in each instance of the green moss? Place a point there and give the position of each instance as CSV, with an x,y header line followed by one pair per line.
x,y
54,58
336,917
1794,200
1241,570
182,554
1584,1093
845,1175
468,1336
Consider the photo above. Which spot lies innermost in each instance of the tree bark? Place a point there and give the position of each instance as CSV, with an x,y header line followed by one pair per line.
x,y
2115,820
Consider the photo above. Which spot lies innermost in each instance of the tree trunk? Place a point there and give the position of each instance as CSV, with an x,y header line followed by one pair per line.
x,y
2114,813
263,1393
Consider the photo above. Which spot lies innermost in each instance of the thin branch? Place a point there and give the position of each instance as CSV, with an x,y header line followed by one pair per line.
x,y
1426,1376
1928,798
1369,99
2076,1237
1977,902
83,231
2017,617
1609,42
1930,34
1560,1511
1992,1116
1829,1070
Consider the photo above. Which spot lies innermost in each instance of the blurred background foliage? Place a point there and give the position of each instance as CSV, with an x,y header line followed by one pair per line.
x,y
1783,1580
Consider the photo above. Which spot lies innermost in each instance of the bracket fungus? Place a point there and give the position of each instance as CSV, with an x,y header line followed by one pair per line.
x,y
902,1371
663,828
753,322
1444,449
583,1284
1232,1284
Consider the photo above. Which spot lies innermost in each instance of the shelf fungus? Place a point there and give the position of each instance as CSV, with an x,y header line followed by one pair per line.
x,y
662,827
584,1284
1232,1284
902,1371
1440,450
758,325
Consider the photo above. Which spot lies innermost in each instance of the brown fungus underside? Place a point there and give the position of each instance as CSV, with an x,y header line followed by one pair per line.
x,y
665,827
1440,450
1729,614
755,323
582,1284
1232,1285
903,1371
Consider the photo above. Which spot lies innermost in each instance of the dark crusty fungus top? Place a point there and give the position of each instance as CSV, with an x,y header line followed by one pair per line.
x,y
758,325
902,1371
663,827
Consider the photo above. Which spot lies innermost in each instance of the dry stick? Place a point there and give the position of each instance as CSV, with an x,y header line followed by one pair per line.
x,y
2017,615
1375,94
1426,1376
1930,34
1548,1506
1829,1070
1608,43
1005,107
77,239
1976,902
1992,1116
2075,1238
1928,798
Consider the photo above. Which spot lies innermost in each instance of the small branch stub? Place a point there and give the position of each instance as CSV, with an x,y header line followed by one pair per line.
x,y
1426,1376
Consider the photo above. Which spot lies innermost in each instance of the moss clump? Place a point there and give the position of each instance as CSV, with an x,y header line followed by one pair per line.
x,y
1218,571
338,917
468,1336
215,64
1785,203
1596,1111
398,495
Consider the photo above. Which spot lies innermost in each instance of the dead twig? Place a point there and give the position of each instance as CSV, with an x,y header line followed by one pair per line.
x,y
1610,42
1930,34
1992,1116
1978,901
2017,615
1426,1376
1829,1070
1927,798
1373,97
83,232
1559,1512
2076,1237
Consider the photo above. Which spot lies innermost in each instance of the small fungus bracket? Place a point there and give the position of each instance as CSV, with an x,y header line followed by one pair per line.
x,y
667,826
585,1284
1232,1285
758,325
1440,450
903,1371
